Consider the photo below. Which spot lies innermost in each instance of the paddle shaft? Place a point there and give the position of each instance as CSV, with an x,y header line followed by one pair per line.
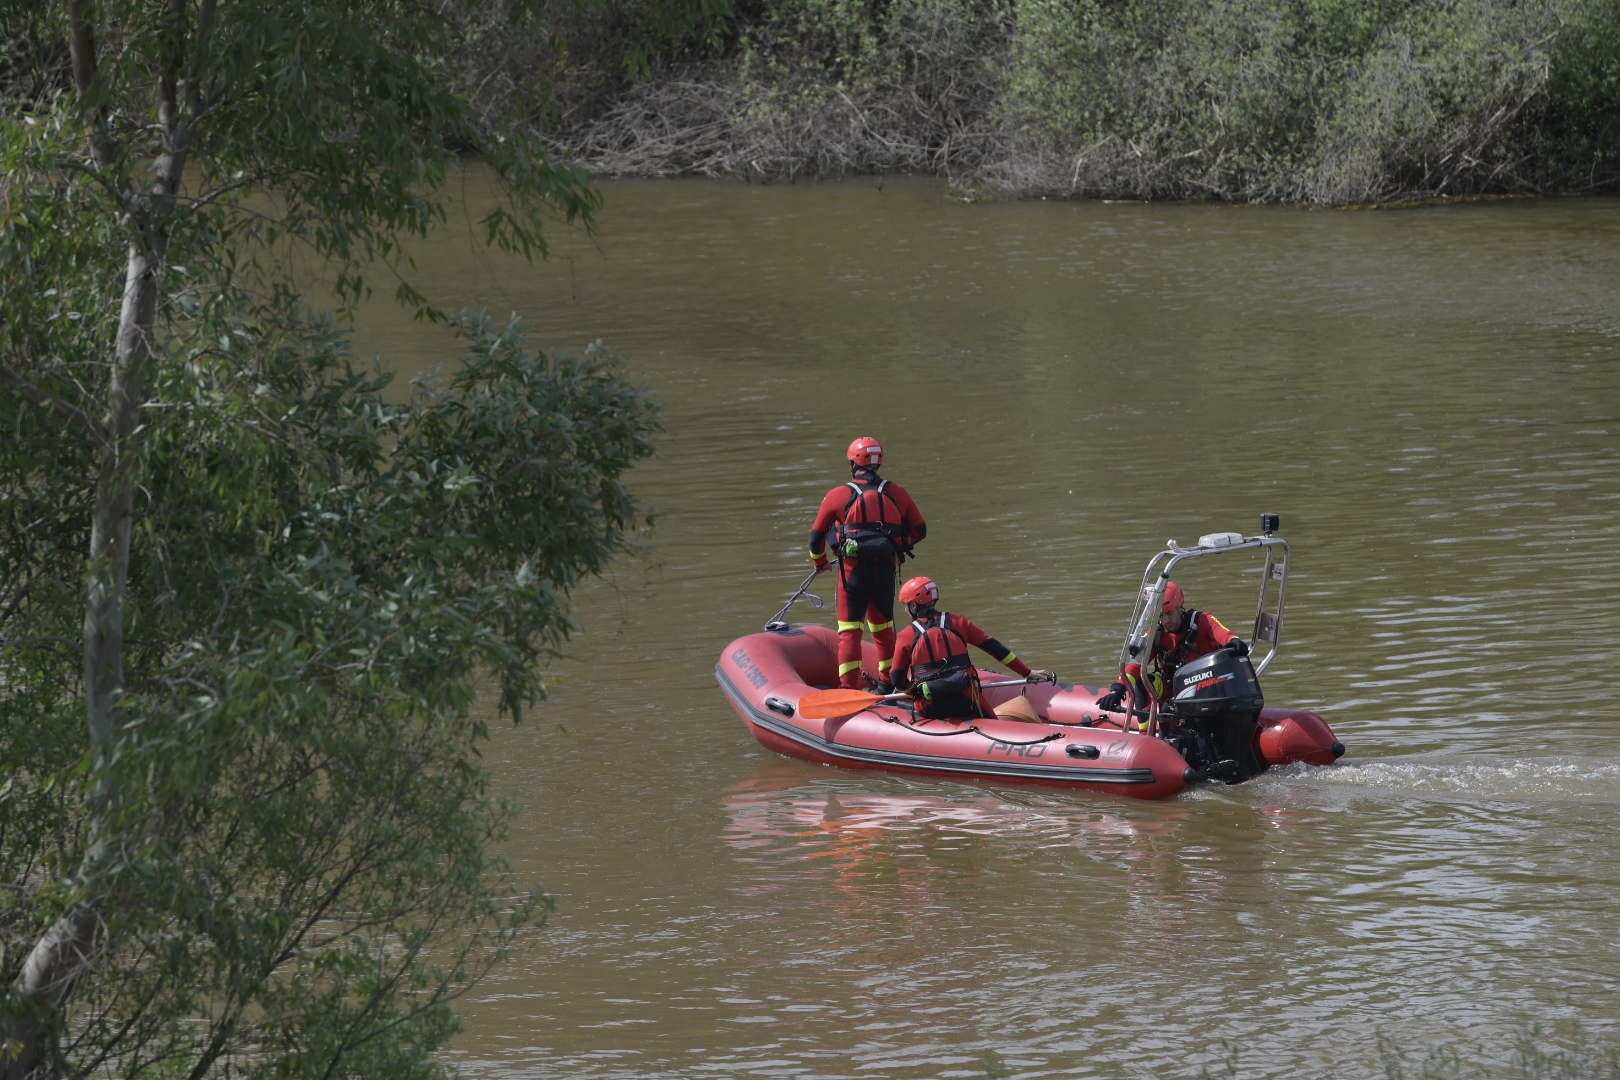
x,y
843,702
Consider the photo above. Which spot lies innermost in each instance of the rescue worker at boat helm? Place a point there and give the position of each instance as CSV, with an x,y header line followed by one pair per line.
x,y
931,660
1184,634
873,524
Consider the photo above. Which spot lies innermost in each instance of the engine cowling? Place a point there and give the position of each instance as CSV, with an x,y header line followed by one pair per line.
x,y
1220,683
1213,714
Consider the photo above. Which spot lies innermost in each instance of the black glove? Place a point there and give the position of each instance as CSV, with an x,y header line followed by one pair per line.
x,y
1238,646
1110,701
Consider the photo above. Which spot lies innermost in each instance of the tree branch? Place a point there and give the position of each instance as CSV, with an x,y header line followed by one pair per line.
x,y
77,417
82,48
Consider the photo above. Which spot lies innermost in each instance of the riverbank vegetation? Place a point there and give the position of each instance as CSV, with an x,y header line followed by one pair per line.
x,y
251,595
1313,101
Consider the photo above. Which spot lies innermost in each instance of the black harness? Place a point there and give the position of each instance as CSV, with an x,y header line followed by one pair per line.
x,y
1168,662
954,659
866,537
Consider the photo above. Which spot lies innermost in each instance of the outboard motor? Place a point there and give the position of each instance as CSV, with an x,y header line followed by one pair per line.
x,y
1213,715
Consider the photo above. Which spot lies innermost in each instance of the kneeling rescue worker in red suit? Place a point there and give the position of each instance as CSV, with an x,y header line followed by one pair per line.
x,y
931,659
873,524
1183,635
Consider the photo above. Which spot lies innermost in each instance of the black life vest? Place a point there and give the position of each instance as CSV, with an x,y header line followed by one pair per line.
x,y
1170,659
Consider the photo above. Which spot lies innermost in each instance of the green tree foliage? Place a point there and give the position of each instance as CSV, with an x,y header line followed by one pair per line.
x,y
1322,100
247,592
1263,100
1581,137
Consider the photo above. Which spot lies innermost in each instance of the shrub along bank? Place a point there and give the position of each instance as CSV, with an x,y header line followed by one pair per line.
x,y
1316,101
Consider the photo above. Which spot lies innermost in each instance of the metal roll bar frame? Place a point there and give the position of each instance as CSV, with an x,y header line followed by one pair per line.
x,y
1268,619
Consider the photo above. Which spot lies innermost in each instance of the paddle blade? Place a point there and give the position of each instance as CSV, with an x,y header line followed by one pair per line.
x,y
835,704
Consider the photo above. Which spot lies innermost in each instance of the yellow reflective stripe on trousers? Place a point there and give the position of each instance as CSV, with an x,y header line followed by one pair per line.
x,y
843,626
849,666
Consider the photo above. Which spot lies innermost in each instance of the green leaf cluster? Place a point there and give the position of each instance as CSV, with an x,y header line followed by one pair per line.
x,y
1329,101
1320,100
322,581
272,854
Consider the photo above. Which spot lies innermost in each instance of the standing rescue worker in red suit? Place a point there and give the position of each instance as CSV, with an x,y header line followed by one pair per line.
x,y
931,659
1183,635
869,525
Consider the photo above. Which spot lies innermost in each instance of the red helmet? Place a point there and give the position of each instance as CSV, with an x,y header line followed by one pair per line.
x,y
1173,596
866,451
919,590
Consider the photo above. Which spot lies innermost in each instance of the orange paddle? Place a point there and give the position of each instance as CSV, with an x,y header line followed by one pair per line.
x,y
839,703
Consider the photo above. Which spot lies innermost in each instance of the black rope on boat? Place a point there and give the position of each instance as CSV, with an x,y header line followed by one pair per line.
x,y
1022,742
968,730
932,734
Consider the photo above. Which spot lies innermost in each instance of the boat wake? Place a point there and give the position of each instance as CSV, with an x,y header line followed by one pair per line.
x,y
1533,780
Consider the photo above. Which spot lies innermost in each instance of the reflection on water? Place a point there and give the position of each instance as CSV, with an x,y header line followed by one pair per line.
x,y
1431,402
786,812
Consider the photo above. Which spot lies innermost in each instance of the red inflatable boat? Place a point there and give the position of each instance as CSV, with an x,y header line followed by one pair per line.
x,y
1213,726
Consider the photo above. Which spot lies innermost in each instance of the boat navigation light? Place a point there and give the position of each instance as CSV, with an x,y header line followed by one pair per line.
x,y
1269,523
1219,540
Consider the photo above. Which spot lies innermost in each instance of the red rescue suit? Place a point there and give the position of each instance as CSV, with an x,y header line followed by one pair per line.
x,y
873,525
932,654
1199,633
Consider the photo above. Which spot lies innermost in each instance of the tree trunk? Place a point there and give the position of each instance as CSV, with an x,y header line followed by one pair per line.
x,y
38,997
37,1000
